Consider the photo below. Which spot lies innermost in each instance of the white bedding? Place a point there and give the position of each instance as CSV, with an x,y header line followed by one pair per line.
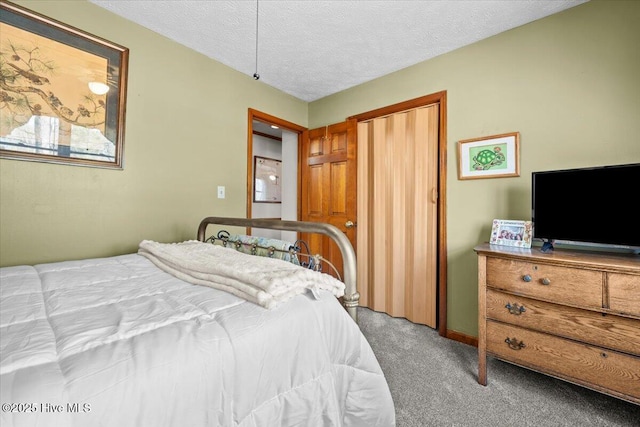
x,y
118,342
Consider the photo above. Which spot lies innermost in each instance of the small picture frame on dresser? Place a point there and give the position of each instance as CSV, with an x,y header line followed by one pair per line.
x,y
511,233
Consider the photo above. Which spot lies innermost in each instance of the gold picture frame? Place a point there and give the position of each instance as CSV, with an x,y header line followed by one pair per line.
x,y
496,156
62,92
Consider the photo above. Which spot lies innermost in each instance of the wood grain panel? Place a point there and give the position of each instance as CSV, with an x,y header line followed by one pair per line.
x,y
579,287
315,145
380,221
314,190
401,215
605,330
624,293
482,317
424,214
396,150
363,206
338,202
339,142
576,362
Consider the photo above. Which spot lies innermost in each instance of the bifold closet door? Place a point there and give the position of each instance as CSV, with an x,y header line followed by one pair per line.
x,y
397,214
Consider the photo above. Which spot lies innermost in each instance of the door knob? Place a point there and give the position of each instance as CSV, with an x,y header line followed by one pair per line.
x,y
349,224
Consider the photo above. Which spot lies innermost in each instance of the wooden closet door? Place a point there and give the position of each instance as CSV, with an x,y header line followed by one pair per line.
x,y
397,205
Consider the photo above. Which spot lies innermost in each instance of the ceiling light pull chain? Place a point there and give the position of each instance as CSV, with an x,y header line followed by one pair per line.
x,y
256,75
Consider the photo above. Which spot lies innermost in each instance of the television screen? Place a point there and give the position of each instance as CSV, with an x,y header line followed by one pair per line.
x,y
597,205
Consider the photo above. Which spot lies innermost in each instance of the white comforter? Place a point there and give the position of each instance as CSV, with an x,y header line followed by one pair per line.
x,y
118,342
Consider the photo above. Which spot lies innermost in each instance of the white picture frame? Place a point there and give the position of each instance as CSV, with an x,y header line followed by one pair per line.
x,y
511,233
267,182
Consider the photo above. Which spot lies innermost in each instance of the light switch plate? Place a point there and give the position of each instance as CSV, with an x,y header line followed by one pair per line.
x,y
221,191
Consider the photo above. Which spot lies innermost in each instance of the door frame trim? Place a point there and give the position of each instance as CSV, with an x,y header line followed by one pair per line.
x,y
271,120
439,98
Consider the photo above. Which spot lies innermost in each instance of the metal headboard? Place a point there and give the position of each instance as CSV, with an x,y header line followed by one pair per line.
x,y
351,296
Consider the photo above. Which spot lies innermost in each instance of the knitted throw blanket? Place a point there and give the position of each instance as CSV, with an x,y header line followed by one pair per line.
x,y
263,281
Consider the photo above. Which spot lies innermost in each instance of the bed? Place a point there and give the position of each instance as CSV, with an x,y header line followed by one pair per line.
x,y
121,341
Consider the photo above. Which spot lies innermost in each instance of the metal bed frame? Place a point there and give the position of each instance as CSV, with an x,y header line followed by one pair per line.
x,y
351,296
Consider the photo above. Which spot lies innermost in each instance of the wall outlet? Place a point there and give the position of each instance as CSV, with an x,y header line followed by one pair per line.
x,y
220,191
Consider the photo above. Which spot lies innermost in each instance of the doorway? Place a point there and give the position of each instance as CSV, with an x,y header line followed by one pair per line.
x,y
272,140
438,99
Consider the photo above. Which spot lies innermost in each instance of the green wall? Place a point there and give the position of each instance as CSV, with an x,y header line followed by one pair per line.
x,y
186,133
569,83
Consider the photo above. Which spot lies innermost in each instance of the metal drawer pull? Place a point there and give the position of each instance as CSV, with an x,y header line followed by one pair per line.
x,y
514,344
526,278
515,308
546,281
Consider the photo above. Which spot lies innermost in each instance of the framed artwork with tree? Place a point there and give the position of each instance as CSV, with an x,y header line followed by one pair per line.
x,y
62,92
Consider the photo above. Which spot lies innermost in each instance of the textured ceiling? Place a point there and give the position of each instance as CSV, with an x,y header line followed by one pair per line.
x,y
311,48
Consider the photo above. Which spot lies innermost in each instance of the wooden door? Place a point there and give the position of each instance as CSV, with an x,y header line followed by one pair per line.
x,y
398,194
328,186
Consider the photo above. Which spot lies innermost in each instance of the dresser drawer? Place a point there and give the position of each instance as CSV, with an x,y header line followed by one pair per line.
x,y
564,285
605,330
581,363
624,293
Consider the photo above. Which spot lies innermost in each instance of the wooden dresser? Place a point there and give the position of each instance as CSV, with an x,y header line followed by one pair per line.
x,y
574,315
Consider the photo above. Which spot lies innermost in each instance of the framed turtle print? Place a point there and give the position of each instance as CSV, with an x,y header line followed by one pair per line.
x,y
495,156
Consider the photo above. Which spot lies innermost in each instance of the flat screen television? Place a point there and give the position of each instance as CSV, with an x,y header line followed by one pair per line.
x,y
595,206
